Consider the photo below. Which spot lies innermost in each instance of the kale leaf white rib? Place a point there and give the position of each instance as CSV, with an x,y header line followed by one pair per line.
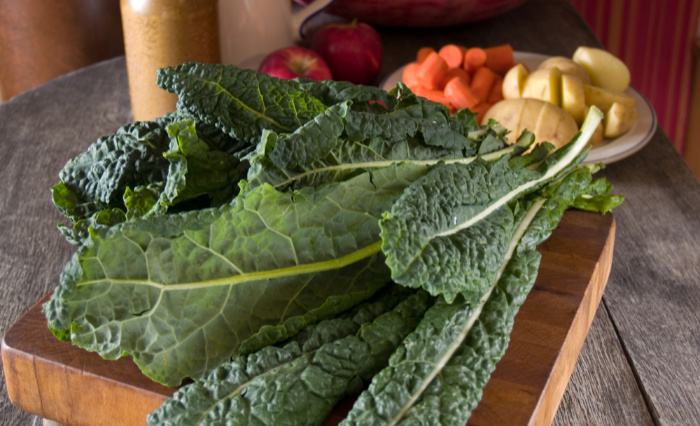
x,y
301,381
349,139
449,230
437,375
424,353
180,303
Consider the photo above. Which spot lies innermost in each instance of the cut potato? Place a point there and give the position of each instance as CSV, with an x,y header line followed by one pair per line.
x,y
544,85
618,120
604,99
555,125
597,136
573,97
508,113
530,116
554,99
567,67
547,121
604,68
514,82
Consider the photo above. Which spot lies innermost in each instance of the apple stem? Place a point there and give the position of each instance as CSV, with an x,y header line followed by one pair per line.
x,y
353,24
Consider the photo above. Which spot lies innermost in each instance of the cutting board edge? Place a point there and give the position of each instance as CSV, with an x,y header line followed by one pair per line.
x,y
553,391
583,316
45,369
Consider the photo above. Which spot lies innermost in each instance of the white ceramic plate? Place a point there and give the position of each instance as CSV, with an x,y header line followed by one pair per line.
x,y
610,150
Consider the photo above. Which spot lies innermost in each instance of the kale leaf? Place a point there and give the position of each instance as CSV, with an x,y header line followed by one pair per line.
x,y
232,241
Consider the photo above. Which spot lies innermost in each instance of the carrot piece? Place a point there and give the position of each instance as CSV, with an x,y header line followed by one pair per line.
x,y
452,54
456,72
480,110
431,71
499,58
482,81
409,77
433,95
496,92
459,94
380,103
423,53
474,58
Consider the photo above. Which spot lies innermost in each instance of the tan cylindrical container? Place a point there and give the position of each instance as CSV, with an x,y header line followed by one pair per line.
x,y
164,33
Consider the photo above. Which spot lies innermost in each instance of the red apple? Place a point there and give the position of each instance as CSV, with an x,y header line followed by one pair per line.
x,y
352,50
292,62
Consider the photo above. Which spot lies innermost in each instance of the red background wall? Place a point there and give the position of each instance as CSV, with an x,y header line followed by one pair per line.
x,y
655,39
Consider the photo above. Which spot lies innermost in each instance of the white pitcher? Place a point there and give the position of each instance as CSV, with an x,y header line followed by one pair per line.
x,y
250,29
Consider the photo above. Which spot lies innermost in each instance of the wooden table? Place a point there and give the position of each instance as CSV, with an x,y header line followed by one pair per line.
x,y
640,363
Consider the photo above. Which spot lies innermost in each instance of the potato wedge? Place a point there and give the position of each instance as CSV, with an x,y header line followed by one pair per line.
x,y
547,121
597,136
507,113
514,82
604,99
606,70
573,97
530,116
555,125
567,66
618,120
544,85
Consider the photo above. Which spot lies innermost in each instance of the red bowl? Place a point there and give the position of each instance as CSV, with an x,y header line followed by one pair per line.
x,y
420,13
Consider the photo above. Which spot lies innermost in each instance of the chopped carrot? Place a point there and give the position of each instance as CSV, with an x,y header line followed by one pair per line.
x,y
480,110
423,53
474,58
456,72
496,92
482,81
460,77
452,54
431,71
409,77
459,94
433,95
499,58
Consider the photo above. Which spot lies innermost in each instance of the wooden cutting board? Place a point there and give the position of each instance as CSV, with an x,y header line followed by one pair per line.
x,y
60,382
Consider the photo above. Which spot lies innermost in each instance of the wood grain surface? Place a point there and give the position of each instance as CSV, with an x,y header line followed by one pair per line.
x,y
60,382
599,389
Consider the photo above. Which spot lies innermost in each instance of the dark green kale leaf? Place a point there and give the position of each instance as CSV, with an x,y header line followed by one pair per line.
x,y
597,197
188,277
196,170
97,178
345,141
442,234
301,381
242,103
331,92
437,375
182,298
141,200
99,186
